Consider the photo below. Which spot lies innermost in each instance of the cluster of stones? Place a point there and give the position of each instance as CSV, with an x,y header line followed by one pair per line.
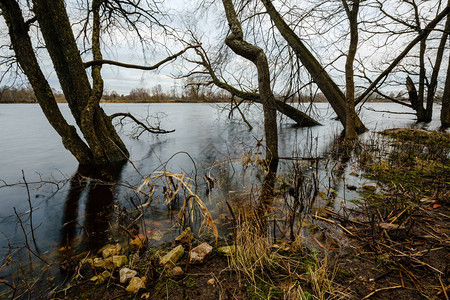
x,y
112,258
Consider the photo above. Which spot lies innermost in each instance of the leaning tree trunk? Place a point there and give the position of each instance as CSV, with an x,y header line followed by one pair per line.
x,y
106,146
445,111
256,55
436,68
331,91
23,48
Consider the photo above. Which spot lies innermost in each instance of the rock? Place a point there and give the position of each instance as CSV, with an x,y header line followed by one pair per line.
x,y
135,285
99,263
108,263
177,272
138,242
211,281
101,277
185,237
119,261
226,250
199,253
173,256
351,187
110,250
126,274
369,187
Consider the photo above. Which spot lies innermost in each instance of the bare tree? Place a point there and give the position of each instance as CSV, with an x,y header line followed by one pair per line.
x,y
103,145
255,54
328,87
409,17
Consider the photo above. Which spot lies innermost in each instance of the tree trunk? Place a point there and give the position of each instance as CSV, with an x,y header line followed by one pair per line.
x,y
300,117
445,111
106,146
256,55
23,48
414,99
352,15
437,66
331,91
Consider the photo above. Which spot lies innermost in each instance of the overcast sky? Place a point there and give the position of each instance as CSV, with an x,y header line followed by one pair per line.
x,y
183,14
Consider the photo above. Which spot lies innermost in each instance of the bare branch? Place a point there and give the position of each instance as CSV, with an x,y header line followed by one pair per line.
x,y
139,67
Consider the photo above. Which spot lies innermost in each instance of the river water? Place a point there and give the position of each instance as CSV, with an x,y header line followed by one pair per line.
x,y
204,141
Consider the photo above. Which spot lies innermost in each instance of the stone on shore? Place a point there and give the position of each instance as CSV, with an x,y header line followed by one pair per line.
x,y
126,275
198,254
173,256
177,272
119,261
110,250
101,277
185,237
135,285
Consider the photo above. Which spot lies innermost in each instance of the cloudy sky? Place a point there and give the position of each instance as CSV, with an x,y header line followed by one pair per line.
x,y
184,14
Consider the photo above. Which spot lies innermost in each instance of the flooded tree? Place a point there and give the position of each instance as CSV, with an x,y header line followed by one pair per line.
x,y
256,55
328,87
101,144
429,56
445,111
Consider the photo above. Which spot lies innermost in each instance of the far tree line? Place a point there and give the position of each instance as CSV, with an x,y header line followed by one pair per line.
x,y
189,93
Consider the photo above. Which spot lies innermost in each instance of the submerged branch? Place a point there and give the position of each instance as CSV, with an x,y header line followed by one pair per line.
x,y
150,129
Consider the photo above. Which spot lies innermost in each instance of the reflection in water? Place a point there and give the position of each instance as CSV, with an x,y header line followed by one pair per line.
x,y
99,182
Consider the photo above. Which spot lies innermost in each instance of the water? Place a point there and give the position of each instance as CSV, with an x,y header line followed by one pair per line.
x,y
64,210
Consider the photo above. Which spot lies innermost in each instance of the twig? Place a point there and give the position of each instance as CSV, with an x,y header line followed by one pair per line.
x,y
31,211
382,289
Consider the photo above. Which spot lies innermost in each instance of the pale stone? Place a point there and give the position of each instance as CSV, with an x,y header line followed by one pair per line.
x,y
119,261
211,281
135,285
177,272
185,237
173,256
126,274
110,250
199,253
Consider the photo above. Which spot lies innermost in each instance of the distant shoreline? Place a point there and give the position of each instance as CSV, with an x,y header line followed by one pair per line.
x,y
186,101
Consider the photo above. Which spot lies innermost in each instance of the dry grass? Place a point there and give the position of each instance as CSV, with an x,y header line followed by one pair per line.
x,y
272,273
